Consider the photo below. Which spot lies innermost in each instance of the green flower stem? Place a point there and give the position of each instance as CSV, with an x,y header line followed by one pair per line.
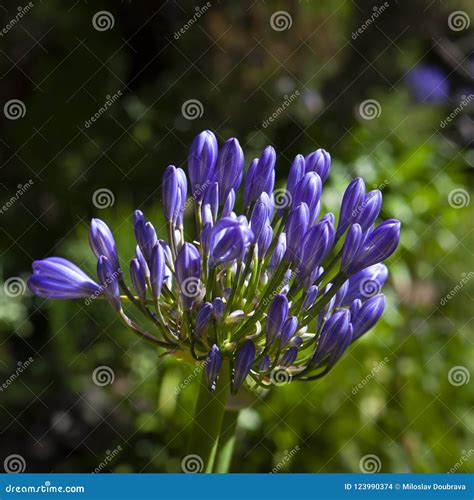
x,y
208,418
225,447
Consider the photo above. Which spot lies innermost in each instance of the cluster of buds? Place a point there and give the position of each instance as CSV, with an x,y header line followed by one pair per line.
x,y
277,292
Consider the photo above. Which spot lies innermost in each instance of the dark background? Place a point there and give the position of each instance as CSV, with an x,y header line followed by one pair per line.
x,y
409,413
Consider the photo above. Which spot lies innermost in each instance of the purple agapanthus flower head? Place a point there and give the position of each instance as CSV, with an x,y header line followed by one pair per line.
x,y
248,286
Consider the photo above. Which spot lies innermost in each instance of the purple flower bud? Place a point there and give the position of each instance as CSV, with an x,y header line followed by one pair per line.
x,y
157,269
265,364
310,298
203,317
288,330
264,240
141,259
366,213
202,162
355,307
230,165
188,272
296,226
260,176
289,357
146,237
352,198
229,204
308,191
213,366
58,278
244,360
278,253
352,245
170,194
229,239
333,337
277,313
183,195
211,198
108,278
366,283
297,172
320,162
296,341
138,279
102,243
378,245
219,308
368,314
316,245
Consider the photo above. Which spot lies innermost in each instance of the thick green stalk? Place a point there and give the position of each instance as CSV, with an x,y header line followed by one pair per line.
x,y
226,443
208,417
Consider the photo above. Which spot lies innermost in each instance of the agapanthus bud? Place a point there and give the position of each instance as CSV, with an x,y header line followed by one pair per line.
x,y
320,162
228,240
260,176
213,365
102,243
229,204
219,307
203,317
333,337
377,246
366,213
146,238
170,194
289,356
108,279
157,269
229,167
58,278
260,214
143,264
278,253
276,316
310,297
297,172
188,272
339,298
366,283
288,330
355,307
316,245
211,198
244,360
308,191
296,226
265,364
368,314
202,163
183,195
138,279
352,198
264,240
352,245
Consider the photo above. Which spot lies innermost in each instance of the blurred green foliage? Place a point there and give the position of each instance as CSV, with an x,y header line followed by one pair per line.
x,y
406,412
